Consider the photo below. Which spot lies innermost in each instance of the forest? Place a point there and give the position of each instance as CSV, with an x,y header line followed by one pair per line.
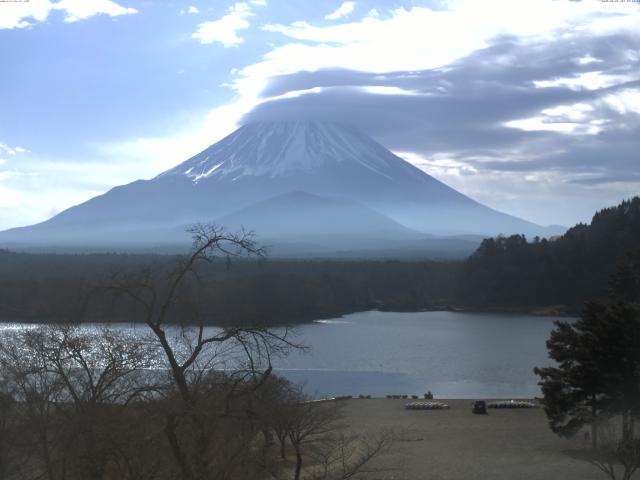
x,y
554,275
566,271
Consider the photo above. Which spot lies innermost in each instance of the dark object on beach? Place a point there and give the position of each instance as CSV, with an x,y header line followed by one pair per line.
x,y
344,397
428,396
480,407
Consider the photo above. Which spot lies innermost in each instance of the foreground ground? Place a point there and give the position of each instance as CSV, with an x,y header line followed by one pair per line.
x,y
511,444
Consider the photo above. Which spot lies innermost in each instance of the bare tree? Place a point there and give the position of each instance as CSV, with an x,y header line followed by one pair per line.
x,y
158,299
8,427
343,456
195,350
273,407
37,393
309,422
95,367
68,383
618,452
324,448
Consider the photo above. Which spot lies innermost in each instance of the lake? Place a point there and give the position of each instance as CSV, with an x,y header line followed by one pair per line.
x,y
452,354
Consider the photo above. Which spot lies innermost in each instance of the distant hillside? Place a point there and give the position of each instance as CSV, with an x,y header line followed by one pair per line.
x,y
301,216
509,271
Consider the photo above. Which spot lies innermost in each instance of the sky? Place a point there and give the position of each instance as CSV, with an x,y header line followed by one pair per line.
x,y
531,107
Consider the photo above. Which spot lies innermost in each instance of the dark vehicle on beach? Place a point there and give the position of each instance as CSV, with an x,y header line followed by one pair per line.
x,y
480,407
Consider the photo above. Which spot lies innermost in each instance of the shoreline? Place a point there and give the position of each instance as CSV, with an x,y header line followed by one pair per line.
x,y
545,312
540,311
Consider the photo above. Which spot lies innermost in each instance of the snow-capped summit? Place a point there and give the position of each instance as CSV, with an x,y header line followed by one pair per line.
x,y
247,178
285,148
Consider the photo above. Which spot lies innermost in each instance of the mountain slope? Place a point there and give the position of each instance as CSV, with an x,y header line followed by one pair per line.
x,y
261,161
301,216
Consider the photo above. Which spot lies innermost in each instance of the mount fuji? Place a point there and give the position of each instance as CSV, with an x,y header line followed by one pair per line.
x,y
302,182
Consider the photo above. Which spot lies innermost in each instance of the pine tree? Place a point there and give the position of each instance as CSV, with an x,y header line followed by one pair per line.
x,y
598,361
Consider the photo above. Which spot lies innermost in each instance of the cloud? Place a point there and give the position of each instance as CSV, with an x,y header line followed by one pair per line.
x,y
624,101
81,9
225,30
587,59
343,10
190,10
462,106
6,149
588,80
482,125
25,14
33,186
153,155
21,15
570,119
8,198
486,73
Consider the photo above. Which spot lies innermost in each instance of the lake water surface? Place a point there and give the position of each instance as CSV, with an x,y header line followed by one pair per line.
x,y
452,354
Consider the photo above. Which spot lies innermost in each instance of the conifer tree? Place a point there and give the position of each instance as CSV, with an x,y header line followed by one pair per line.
x,y
598,361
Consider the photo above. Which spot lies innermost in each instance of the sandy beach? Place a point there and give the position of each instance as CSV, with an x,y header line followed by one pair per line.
x,y
454,444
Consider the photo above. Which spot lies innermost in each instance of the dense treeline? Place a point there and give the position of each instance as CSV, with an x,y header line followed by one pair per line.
x,y
505,273
509,272
54,287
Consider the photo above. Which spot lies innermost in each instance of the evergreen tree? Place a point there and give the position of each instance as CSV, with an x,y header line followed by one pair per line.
x,y
598,362
575,392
